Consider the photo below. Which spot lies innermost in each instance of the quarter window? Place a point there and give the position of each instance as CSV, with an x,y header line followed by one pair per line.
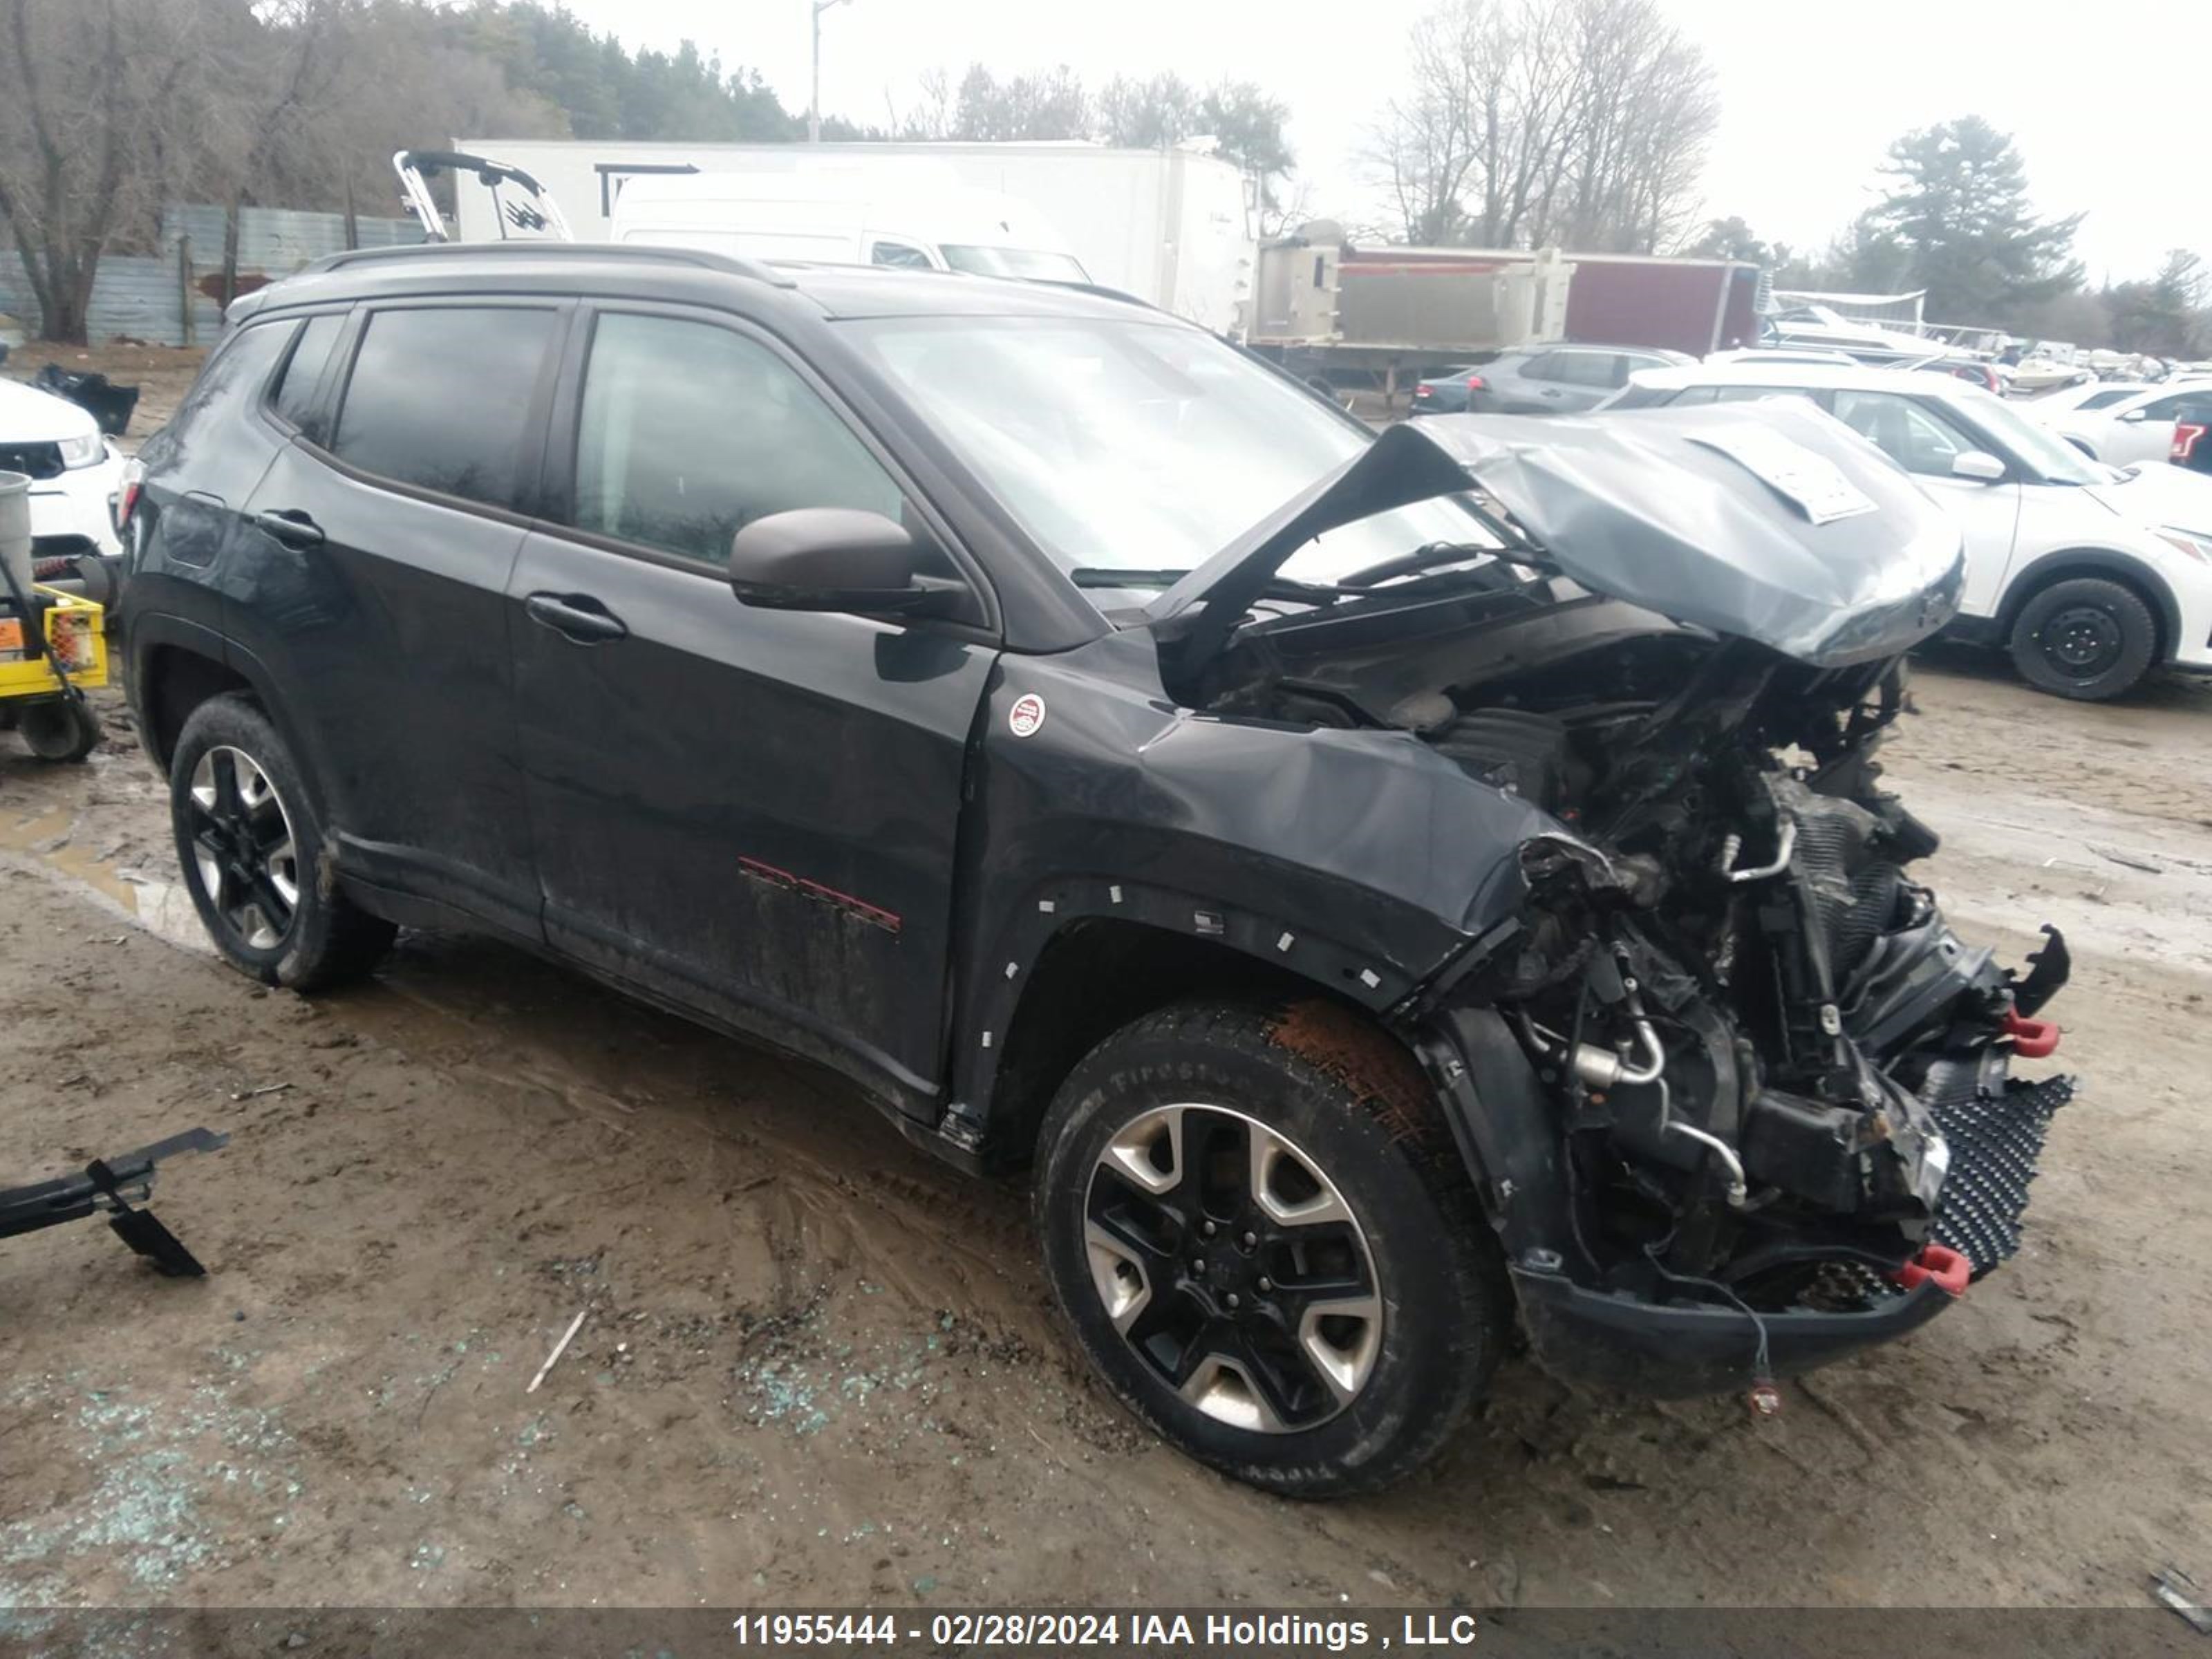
x,y
293,396
689,432
440,398
904,255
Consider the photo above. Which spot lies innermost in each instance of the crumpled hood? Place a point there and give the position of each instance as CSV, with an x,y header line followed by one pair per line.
x,y
1713,516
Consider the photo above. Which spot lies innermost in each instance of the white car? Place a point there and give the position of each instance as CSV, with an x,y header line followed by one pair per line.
x,y
2052,407
2132,431
75,472
2089,575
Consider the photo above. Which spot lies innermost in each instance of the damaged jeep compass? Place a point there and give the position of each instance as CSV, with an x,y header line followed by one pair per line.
x,y
1387,892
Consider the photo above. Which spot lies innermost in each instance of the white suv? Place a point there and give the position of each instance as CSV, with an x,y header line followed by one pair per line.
x,y
2089,575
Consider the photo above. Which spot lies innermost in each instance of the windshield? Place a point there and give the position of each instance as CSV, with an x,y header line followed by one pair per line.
x,y
2044,450
1138,445
1034,264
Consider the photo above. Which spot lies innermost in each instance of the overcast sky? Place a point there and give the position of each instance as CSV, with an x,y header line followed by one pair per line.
x,y
2106,100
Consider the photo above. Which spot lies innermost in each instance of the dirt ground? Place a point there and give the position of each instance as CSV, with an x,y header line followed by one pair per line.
x,y
817,1368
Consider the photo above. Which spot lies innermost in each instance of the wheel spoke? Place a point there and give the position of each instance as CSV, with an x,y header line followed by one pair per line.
x,y
1287,1188
1233,1267
242,848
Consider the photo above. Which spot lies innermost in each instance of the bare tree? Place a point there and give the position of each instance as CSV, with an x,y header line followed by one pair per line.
x,y
1538,121
98,101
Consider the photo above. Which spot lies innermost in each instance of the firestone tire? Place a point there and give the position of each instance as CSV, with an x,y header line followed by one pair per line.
x,y
1323,1116
251,853
2085,638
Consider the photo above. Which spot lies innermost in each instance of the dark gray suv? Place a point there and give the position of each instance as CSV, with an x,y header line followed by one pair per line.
x,y
1381,889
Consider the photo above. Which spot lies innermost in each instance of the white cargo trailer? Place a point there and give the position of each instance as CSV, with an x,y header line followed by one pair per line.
x,y
1173,227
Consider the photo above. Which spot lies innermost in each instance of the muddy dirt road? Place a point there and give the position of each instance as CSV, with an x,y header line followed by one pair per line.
x,y
817,1368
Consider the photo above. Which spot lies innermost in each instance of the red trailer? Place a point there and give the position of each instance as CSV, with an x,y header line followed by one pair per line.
x,y
1697,305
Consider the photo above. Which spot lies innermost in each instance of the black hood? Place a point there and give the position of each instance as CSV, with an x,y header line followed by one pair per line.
x,y
1770,521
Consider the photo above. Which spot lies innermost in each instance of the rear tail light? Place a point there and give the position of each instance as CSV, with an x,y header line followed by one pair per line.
x,y
1476,383
2185,434
126,498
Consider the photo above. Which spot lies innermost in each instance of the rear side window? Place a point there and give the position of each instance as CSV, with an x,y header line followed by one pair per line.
x,y
1544,366
293,396
1590,368
688,433
440,398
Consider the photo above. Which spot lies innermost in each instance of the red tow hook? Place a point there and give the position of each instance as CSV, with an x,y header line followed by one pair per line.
x,y
2031,1039
1940,1262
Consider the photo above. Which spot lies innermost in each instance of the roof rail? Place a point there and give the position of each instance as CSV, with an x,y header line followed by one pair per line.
x,y
733,264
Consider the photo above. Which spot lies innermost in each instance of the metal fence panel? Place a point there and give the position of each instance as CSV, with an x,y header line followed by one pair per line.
x,y
143,295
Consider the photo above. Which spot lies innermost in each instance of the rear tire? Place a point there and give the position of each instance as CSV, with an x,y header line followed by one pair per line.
x,y
1262,1235
252,854
2085,638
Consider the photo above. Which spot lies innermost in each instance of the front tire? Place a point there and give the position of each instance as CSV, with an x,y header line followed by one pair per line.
x,y
2085,638
1264,1240
252,854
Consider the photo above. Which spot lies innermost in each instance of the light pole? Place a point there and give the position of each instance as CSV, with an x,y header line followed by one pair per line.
x,y
814,104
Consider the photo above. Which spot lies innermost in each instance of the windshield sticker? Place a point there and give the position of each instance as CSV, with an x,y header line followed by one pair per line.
x,y
1811,482
1026,716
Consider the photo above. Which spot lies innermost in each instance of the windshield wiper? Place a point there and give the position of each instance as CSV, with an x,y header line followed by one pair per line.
x,y
1428,556
1277,587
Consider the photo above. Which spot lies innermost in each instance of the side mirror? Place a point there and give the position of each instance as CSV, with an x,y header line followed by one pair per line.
x,y
2134,417
1980,465
835,558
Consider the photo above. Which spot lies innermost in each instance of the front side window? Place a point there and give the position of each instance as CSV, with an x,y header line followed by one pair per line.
x,y
689,432
440,398
1912,435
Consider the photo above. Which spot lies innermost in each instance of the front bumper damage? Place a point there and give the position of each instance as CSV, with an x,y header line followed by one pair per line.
x,y
1679,1350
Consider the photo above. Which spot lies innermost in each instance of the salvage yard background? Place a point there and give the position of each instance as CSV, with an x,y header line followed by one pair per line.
x,y
816,1367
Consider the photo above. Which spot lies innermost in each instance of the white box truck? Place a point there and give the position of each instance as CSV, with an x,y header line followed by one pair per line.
x,y
1175,227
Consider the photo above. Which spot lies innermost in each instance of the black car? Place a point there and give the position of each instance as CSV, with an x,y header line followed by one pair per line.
x,y
1538,379
1380,889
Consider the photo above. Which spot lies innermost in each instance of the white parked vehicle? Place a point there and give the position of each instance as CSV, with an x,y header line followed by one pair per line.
x,y
916,216
2136,430
2089,575
1173,227
75,475
2049,407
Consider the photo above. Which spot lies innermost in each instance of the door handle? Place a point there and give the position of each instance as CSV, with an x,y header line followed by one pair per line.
x,y
576,617
289,525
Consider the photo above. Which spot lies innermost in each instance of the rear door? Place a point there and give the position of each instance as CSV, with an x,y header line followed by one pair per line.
x,y
748,812
370,587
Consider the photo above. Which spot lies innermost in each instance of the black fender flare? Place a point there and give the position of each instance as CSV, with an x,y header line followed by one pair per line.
x,y
987,1000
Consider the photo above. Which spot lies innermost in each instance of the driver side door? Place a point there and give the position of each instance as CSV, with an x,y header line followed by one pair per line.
x,y
749,813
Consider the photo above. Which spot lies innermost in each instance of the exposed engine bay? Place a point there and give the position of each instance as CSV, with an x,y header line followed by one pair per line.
x,y
1775,1074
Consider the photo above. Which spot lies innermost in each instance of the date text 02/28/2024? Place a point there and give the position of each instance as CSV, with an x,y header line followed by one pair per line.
x,y
1200,1632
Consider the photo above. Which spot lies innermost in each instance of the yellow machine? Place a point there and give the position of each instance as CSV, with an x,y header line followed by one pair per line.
x,y
42,684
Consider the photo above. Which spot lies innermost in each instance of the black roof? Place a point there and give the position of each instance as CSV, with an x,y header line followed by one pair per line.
x,y
683,275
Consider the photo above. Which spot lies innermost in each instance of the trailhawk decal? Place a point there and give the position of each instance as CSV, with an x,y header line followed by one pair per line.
x,y
859,910
1026,717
